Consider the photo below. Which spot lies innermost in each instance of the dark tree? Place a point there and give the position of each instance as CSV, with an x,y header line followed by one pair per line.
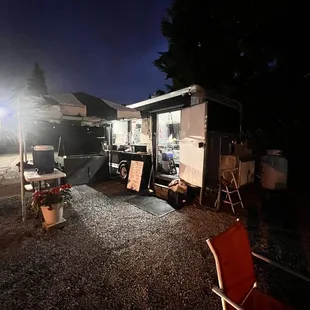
x,y
237,48
202,49
158,92
37,83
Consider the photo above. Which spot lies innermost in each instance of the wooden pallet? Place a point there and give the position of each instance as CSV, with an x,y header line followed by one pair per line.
x,y
58,225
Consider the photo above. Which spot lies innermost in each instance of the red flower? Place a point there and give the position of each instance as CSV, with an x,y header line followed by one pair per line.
x,y
36,195
65,186
55,190
52,196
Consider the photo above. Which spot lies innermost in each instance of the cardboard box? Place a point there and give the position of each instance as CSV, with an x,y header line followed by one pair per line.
x,y
243,169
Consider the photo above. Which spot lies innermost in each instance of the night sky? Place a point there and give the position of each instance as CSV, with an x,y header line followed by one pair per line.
x,y
104,48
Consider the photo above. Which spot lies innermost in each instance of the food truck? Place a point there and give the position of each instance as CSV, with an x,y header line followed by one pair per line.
x,y
126,142
190,130
113,144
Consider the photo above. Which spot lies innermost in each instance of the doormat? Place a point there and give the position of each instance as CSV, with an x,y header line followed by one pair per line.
x,y
151,205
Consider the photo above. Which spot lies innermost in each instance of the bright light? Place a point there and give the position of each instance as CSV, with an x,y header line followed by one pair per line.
x,y
3,112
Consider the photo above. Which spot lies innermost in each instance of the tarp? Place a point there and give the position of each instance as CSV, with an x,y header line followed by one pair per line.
x,y
105,109
75,106
122,111
70,105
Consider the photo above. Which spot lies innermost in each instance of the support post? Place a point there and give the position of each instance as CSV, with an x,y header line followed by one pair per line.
x,y
205,150
24,142
21,159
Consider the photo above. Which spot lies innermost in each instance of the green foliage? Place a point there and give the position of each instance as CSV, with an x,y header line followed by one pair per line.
x,y
37,83
50,197
158,92
237,48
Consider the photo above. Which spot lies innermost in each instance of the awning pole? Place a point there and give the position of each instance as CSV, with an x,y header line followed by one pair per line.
x,y
24,142
21,159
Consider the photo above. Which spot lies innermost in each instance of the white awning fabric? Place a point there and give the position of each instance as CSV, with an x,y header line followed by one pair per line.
x,y
122,111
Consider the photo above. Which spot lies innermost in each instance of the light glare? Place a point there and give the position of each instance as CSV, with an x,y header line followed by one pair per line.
x,y
3,112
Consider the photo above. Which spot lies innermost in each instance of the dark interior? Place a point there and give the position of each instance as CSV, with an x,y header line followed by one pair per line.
x,y
81,146
222,118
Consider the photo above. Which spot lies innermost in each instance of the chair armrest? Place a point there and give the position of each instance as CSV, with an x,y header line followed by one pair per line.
x,y
220,293
271,262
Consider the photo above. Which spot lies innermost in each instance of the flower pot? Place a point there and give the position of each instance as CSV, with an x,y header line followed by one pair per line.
x,y
52,215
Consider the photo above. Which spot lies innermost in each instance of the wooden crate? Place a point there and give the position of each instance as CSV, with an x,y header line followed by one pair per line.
x,y
161,191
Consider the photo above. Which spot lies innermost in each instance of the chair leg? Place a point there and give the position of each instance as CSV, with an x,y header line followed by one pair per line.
x,y
220,293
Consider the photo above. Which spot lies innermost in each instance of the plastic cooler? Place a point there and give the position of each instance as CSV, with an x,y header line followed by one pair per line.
x,y
43,158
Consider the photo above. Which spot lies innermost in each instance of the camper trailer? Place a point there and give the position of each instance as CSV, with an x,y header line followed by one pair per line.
x,y
191,129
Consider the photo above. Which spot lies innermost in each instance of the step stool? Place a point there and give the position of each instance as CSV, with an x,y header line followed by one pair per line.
x,y
229,189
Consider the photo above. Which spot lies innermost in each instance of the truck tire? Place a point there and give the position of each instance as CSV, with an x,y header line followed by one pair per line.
x,y
123,171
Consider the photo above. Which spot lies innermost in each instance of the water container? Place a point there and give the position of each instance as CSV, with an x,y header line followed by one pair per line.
x,y
274,170
43,158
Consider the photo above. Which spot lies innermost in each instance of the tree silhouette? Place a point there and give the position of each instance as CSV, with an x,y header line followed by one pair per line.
x,y
37,83
158,92
236,48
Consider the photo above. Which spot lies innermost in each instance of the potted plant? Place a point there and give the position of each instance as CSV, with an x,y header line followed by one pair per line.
x,y
51,202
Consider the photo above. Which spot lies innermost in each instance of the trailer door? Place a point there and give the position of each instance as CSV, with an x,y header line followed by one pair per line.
x,y
192,139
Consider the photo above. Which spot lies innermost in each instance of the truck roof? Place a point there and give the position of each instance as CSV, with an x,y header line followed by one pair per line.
x,y
209,95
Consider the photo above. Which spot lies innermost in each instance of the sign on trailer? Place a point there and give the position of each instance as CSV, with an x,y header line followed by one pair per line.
x,y
135,175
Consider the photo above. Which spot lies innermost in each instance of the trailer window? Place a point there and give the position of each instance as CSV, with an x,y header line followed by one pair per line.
x,y
168,139
120,133
222,118
136,128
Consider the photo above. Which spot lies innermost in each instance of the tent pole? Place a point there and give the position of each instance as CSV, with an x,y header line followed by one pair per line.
x,y
24,142
21,159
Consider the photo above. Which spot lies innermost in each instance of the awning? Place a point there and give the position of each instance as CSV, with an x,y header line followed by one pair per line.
x,y
77,106
105,109
69,104
183,97
122,112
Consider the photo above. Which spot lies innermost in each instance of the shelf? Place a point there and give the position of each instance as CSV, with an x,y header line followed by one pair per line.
x,y
28,187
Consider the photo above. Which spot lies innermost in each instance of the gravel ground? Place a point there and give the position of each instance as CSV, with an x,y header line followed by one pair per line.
x,y
8,169
112,255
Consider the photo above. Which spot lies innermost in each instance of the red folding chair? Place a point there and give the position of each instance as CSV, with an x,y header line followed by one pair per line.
x,y
236,275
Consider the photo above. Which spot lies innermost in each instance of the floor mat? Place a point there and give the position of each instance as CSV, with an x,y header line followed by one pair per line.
x,y
151,205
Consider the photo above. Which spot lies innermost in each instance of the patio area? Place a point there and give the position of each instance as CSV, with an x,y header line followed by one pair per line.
x,y
112,255
8,169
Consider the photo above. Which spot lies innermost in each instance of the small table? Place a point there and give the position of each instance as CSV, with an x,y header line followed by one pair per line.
x,y
33,177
